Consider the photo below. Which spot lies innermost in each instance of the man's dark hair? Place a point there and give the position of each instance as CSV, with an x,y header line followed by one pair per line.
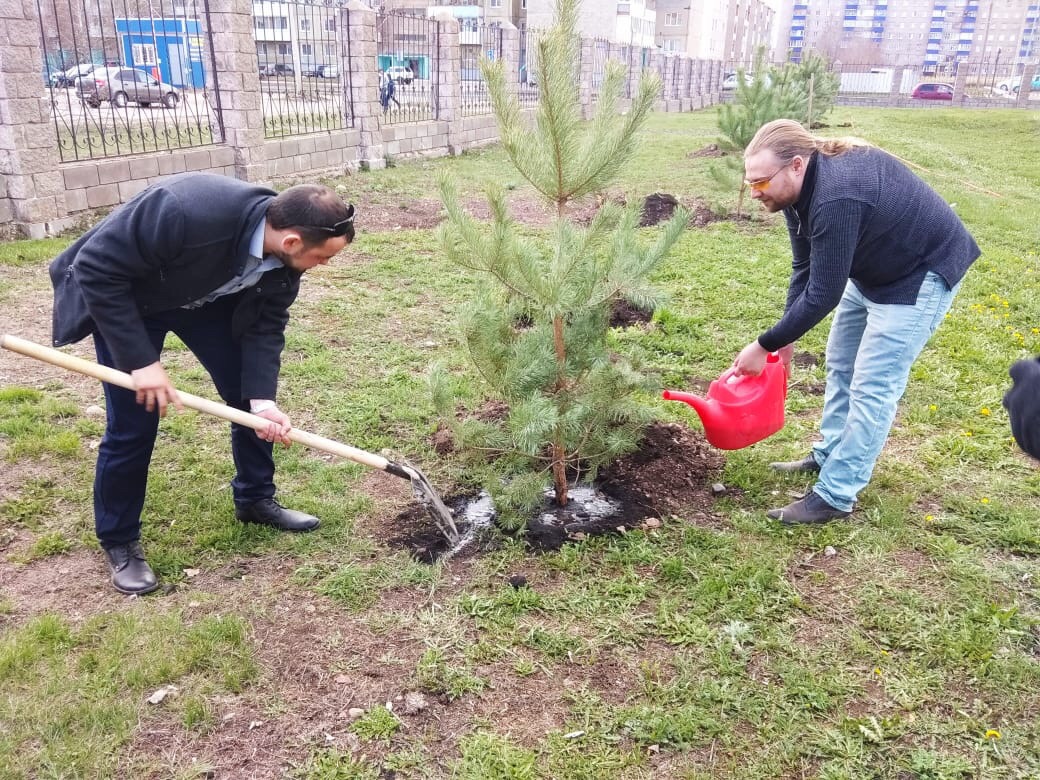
x,y
313,210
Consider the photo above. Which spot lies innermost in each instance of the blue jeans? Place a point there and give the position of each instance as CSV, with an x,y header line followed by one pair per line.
x,y
870,350
121,475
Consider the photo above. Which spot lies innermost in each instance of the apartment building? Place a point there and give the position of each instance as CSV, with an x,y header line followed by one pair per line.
x,y
730,30
933,34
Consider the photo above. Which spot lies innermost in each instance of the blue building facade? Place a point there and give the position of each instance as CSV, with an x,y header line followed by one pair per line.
x,y
169,49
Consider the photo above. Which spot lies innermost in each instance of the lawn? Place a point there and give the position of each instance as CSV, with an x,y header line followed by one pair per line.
x,y
904,643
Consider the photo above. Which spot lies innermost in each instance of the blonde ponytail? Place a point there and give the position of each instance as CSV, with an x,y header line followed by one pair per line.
x,y
787,139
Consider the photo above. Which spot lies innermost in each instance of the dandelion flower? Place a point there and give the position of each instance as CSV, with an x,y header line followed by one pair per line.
x,y
932,407
877,670
984,411
992,734
984,500
928,519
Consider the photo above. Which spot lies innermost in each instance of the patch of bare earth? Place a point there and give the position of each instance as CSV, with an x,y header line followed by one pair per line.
x,y
319,662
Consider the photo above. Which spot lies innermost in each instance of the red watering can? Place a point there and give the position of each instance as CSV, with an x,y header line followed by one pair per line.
x,y
741,410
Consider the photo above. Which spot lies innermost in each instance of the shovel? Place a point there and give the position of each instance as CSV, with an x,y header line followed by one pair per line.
x,y
420,485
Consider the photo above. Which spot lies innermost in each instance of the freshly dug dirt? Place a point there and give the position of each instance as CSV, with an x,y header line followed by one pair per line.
x,y
670,473
657,208
625,313
711,150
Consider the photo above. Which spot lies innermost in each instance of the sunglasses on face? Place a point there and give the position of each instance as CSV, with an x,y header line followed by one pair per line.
x,y
345,227
761,185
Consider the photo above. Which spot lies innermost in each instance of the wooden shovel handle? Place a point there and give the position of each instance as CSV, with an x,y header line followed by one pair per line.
x,y
199,404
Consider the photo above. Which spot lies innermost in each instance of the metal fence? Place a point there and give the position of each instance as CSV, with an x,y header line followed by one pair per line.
x,y
477,40
123,78
304,68
993,77
527,69
600,55
406,48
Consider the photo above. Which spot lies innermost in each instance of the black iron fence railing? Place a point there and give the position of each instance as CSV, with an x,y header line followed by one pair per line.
x,y
304,69
406,50
125,78
527,69
477,41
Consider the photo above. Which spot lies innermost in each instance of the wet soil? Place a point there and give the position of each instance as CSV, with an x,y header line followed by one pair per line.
x,y
670,473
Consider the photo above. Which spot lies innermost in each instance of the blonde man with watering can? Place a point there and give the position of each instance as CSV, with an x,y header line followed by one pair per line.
x,y
877,246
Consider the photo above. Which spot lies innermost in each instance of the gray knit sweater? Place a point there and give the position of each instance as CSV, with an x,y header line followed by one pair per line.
x,y
865,216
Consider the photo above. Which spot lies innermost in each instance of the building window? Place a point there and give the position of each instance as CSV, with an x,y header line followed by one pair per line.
x,y
305,25
496,3
671,19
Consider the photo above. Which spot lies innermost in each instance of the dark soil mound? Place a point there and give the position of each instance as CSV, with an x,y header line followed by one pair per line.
x,y
625,313
657,208
671,472
701,215
711,150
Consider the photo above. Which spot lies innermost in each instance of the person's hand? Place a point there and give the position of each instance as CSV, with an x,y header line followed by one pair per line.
x,y
786,353
154,388
751,360
1022,402
279,427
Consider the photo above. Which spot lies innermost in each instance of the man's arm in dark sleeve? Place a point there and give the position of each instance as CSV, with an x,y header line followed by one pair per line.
x,y
135,245
833,243
799,258
263,338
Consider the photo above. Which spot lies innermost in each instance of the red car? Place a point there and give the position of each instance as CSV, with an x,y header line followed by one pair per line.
x,y
932,90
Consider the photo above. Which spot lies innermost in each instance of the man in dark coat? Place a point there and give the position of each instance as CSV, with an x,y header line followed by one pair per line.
x,y
1022,402
875,244
217,262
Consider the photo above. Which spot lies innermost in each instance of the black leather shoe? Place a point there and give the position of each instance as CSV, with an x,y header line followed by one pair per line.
x,y
806,465
809,509
270,512
131,573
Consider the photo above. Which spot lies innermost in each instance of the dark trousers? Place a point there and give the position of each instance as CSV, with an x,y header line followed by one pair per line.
x,y
121,477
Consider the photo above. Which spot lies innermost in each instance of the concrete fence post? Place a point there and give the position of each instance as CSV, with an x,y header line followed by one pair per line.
x,y
32,189
586,67
359,65
960,85
235,86
683,87
511,55
1024,87
449,81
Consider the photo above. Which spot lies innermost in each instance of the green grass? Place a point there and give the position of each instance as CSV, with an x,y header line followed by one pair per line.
x,y
735,649
74,695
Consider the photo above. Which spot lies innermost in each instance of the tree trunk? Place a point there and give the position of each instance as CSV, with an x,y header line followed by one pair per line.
x,y
559,453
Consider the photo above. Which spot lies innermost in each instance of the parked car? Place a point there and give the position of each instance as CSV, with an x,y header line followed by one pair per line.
x,y
126,85
323,72
70,77
730,80
1015,83
932,90
400,74
276,69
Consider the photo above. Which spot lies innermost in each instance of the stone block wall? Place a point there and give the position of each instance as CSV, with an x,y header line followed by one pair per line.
x,y
40,195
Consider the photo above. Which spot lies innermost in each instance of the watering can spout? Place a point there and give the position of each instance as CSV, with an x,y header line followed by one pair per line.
x,y
704,408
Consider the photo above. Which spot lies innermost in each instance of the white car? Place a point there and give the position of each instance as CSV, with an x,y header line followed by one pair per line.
x,y
400,74
730,82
